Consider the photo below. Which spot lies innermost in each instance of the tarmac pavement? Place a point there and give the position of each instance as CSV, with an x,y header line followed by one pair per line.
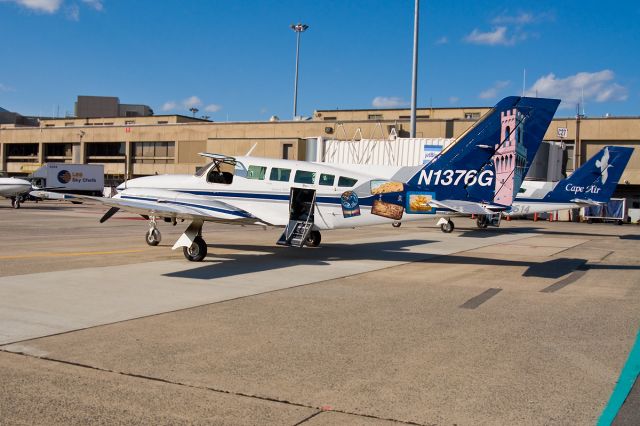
x,y
528,323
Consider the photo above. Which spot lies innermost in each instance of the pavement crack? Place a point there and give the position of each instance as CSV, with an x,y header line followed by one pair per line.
x,y
208,388
308,418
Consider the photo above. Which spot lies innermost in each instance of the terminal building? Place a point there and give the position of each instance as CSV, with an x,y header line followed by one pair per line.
x,y
130,141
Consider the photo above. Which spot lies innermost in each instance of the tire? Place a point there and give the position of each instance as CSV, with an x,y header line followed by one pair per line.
x,y
197,251
589,221
314,238
482,223
447,228
396,224
15,203
153,237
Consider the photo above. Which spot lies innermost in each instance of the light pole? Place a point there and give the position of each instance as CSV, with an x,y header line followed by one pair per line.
x,y
298,28
194,110
414,79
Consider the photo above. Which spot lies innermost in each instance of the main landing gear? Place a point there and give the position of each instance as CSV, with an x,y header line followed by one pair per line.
x,y
482,221
446,225
15,202
314,238
153,236
196,251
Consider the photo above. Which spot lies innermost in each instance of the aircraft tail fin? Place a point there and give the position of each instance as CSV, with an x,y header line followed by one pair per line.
x,y
595,180
488,162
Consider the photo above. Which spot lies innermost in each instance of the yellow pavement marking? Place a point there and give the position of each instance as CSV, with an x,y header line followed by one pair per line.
x,y
65,254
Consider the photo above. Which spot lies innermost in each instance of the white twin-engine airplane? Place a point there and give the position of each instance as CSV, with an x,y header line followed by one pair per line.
x,y
14,189
306,198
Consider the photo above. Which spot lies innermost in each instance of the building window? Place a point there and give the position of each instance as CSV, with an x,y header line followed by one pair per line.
x,y
163,122
374,116
22,152
330,118
154,152
129,122
69,124
49,125
105,152
418,117
472,115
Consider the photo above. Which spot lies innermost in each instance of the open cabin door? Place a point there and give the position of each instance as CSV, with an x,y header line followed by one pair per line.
x,y
301,209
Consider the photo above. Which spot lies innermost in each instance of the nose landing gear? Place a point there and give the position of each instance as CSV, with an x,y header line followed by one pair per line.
x,y
153,236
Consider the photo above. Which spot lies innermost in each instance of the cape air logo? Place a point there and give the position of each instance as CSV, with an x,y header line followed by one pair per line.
x,y
64,176
603,164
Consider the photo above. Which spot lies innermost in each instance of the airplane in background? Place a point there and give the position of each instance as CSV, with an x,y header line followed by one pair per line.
x,y
591,184
475,175
14,189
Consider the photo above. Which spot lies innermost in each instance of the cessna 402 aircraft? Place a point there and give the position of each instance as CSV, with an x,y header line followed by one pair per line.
x,y
469,177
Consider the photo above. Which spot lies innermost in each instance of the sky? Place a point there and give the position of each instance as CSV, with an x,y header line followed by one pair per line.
x,y
234,60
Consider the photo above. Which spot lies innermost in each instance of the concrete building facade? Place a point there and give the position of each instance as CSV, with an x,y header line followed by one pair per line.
x,y
137,146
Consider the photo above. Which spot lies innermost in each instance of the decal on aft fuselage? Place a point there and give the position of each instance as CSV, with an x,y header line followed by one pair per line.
x,y
456,177
418,202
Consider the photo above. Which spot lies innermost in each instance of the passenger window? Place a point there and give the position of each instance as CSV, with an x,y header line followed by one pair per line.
x,y
256,172
327,179
347,181
305,177
280,175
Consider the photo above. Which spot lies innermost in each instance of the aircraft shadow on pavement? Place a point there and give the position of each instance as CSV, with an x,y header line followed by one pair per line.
x,y
232,264
492,232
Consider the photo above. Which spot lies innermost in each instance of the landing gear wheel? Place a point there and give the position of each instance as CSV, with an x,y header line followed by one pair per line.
x,y
314,238
447,227
15,203
153,237
396,224
482,222
197,251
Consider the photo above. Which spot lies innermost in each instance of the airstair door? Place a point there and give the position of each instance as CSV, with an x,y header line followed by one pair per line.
x,y
301,209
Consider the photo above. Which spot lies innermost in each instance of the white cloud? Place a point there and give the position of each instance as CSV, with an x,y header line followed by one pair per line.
x,y
491,38
45,6
593,86
95,4
454,100
5,88
169,106
213,108
442,40
192,102
388,102
73,12
522,18
494,90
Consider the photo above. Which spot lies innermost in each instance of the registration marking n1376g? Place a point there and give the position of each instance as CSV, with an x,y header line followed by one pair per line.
x,y
455,177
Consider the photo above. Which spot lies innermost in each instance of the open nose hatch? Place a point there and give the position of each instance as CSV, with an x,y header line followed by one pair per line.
x,y
301,209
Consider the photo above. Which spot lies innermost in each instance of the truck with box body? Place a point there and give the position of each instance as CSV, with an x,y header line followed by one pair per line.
x,y
86,179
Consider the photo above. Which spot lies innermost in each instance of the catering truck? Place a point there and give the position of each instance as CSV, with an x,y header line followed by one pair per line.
x,y
87,179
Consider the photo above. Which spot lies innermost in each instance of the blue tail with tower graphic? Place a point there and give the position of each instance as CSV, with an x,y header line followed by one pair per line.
x,y
489,161
594,181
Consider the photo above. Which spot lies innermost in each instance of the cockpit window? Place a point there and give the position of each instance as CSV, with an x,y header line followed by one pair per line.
x,y
256,172
347,181
221,173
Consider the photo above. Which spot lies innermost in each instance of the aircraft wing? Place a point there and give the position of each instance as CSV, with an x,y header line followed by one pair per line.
x,y
464,207
196,209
